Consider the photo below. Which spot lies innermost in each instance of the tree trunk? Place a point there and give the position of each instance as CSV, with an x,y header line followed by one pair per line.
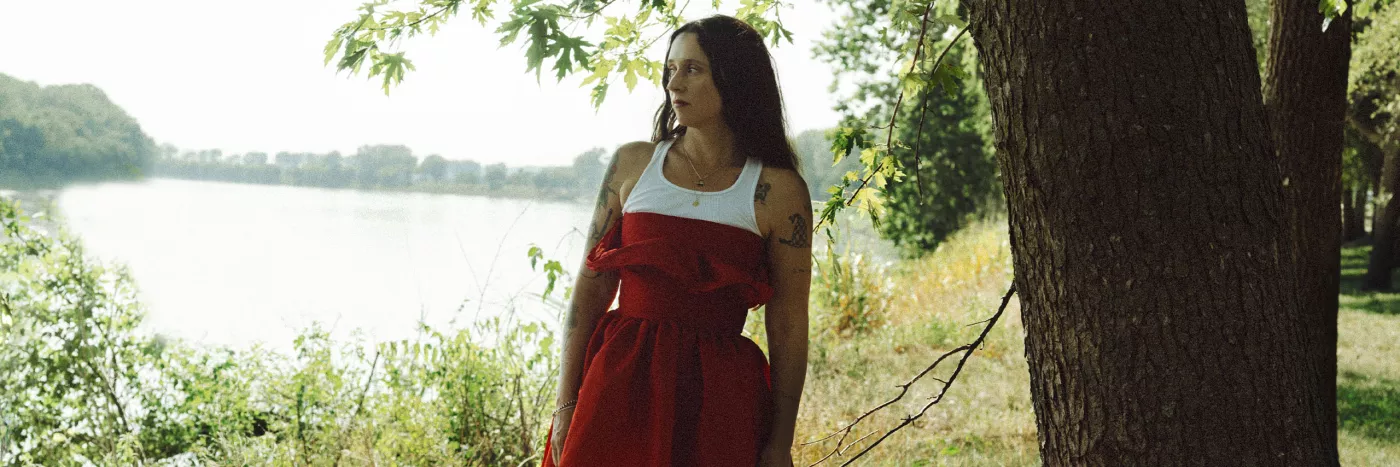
x,y
1149,235
1383,234
1305,92
1359,210
1354,213
1375,205
1348,194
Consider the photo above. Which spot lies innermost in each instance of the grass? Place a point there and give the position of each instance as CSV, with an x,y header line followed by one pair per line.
x,y
1368,367
935,303
987,418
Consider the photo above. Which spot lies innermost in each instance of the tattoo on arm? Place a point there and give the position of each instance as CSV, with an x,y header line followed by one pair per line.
x,y
595,235
760,193
606,187
596,231
801,238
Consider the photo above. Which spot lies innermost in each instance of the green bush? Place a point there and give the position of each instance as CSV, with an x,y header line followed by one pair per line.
x,y
84,386
850,294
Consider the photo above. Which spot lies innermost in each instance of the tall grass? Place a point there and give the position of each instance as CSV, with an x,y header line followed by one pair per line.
x,y
933,305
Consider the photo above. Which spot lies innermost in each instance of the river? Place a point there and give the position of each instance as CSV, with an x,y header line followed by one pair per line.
x,y
231,264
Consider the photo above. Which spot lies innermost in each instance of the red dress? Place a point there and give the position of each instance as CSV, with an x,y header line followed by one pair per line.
x,y
667,378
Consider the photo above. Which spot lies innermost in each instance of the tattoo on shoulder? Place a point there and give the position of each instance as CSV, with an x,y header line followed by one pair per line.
x,y
760,193
801,236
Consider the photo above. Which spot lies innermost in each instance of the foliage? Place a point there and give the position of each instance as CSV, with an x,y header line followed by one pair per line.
x,y
68,132
545,29
434,167
72,365
1374,81
870,33
84,385
941,153
813,147
851,293
906,29
952,171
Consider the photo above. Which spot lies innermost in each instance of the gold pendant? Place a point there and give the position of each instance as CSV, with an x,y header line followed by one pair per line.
x,y
696,203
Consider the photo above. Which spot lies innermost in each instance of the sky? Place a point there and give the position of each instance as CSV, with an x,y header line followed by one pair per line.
x,y
249,76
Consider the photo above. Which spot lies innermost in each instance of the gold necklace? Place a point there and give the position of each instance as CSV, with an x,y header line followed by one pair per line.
x,y
700,181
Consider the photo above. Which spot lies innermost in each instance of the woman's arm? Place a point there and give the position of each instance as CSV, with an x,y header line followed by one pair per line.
x,y
789,211
593,291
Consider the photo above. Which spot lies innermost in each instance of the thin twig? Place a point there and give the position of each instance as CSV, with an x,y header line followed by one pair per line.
x,y
918,138
966,350
415,23
890,133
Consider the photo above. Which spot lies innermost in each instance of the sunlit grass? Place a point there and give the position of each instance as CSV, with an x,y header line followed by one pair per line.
x,y
937,302
987,418
1368,368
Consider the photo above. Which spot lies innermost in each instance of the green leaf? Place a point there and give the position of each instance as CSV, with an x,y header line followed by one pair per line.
x,y
954,20
1330,9
552,272
601,69
535,253
332,47
598,93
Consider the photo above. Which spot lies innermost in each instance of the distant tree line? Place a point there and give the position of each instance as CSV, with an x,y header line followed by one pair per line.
x,y
385,167
395,167
67,132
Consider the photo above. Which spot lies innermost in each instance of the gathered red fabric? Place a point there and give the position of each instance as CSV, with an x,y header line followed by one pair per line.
x,y
668,379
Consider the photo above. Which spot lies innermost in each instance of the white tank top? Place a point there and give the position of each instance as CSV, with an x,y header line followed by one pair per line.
x,y
731,206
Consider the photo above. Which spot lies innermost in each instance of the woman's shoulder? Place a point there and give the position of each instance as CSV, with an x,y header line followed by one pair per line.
x,y
634,154
784,182
781,201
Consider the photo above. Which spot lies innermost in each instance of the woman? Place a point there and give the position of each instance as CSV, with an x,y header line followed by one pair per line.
x,y
705,222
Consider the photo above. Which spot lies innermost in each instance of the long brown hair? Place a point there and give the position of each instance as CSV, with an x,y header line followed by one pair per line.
x,y
751,104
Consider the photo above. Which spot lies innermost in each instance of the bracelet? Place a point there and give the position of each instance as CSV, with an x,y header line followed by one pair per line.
x,y
567,405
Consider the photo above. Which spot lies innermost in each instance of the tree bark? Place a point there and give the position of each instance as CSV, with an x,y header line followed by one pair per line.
x,y
1383,234
1305,92
1149,233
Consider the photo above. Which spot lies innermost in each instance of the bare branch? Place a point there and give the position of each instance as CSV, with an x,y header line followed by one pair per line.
x,y
966,350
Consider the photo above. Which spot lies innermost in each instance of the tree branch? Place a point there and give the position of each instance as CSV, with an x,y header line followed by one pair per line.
x,y
889,137
1368,131
966,349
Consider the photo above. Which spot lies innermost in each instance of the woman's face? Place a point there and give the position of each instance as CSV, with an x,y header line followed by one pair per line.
x,y
692,91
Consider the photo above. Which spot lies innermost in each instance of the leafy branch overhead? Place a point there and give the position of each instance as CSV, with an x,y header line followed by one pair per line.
x,y
563,34
921,70
560,33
